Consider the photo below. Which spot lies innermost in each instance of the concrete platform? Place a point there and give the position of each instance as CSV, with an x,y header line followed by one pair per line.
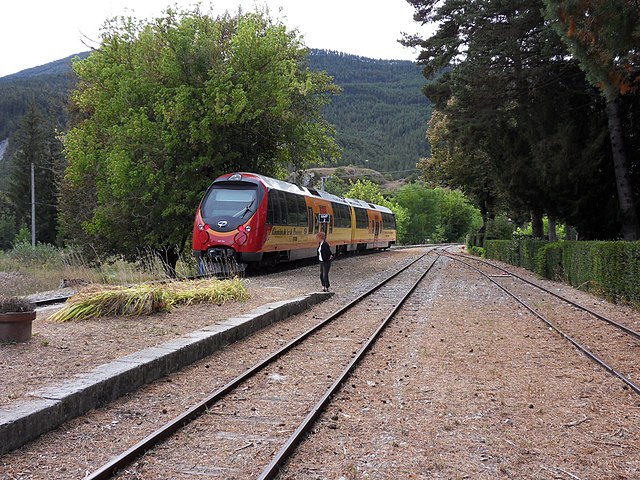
x,y
51,406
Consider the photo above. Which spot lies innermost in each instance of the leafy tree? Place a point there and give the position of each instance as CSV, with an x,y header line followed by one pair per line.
x,y
519,122
423,210
451,165
458,216
336,186
163,107
604,36
436,215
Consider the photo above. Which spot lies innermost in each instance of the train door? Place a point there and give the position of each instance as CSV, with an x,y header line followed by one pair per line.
x,y
376,229
310,221
324,222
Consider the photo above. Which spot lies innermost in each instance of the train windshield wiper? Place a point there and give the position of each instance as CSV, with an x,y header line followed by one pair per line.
x,y
247,209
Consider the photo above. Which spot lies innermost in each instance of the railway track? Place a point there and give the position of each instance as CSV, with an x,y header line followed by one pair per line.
x,y
266,405
611,344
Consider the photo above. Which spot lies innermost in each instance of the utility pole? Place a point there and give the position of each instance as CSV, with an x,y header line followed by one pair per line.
x,y
322,179
33,206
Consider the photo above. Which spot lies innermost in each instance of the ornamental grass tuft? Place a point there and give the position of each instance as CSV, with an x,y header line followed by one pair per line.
x,y
95,301
15,305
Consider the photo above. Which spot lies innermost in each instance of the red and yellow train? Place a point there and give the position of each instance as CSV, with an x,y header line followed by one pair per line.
x,y
252,219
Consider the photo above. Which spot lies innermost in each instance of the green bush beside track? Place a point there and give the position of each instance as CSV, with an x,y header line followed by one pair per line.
x,y
610,269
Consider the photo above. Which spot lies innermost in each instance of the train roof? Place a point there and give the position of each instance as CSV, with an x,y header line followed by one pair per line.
x,y
275,184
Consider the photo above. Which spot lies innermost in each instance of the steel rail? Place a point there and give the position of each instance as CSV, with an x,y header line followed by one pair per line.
x,y
50,301
117,463
305,426
635,387
624,328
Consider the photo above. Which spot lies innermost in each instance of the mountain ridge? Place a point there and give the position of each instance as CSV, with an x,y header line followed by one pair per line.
x,y
380,117
60,66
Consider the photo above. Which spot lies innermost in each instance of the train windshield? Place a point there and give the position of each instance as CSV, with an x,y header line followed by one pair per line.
x,y
237,201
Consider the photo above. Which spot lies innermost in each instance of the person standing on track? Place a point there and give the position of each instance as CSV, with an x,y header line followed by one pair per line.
x,y
325,256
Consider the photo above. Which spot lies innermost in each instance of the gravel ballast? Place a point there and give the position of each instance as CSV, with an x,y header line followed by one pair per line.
x,y
467,385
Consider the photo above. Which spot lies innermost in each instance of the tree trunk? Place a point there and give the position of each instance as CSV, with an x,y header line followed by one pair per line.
x,y
628,215
553,234
169,257
537,226
480,237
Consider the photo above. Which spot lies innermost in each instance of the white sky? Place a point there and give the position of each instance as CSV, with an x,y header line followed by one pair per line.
x,y
35,32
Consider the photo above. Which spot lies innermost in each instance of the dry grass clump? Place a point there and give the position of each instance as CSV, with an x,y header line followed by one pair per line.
x,y
26,270
96,301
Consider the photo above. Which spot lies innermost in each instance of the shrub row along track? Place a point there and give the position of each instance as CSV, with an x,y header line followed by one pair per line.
x,y
617,344
267,403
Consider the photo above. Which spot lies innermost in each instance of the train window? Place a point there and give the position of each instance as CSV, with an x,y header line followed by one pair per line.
x,y
342,215
302,211
274,210
337,215
388,221
310,218
292,208
236,201
270,209
362,220
284,214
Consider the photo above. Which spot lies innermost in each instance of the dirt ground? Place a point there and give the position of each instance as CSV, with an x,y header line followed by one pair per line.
x,y
59,350
464,384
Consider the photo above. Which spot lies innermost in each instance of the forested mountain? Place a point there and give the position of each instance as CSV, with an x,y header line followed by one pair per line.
x,y
46,86
380,116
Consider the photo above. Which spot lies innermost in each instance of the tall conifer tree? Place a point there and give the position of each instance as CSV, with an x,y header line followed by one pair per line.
x,y
604,36
35,142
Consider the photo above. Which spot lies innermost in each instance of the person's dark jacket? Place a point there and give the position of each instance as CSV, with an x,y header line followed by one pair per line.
x,y
325,249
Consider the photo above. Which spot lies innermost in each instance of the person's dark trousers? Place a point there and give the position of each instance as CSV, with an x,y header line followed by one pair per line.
x,y
324,273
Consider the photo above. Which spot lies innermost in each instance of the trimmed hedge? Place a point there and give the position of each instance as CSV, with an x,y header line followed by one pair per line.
x,y
611,269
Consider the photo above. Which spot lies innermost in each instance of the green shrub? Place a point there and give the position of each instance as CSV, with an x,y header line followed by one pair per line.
x,y
477,251
616,269
503,250
41,255
500,228
610,269
549,261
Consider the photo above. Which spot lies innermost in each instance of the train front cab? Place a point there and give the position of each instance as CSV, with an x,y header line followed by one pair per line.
x,y
227,230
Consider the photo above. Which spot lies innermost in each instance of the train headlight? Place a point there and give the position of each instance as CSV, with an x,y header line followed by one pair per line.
x,y
203,234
